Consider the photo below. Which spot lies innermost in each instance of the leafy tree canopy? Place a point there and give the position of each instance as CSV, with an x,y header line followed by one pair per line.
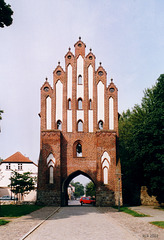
x,y
5,14
22,183
90,189
141,144
79,189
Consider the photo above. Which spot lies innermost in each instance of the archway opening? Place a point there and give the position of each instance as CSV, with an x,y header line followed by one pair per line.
x,y
76,186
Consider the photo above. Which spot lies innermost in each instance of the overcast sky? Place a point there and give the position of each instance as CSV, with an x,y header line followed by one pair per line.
x,y
126,36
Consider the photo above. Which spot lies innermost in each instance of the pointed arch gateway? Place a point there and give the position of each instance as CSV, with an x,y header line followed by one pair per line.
x,y
68,180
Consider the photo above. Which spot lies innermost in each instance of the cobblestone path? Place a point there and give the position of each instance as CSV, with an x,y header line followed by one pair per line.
x,y
84,222
79,223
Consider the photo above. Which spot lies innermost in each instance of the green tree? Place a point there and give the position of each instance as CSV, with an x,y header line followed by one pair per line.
x,y
141,145
79,189
22,183
153,144
90,189
5,14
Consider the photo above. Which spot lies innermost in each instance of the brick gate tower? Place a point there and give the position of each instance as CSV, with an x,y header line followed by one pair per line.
x,y
79,130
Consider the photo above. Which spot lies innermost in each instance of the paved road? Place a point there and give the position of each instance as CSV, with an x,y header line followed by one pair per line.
x,y
79,223
74,203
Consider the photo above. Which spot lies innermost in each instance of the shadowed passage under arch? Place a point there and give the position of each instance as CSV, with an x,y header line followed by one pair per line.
x,y
66,184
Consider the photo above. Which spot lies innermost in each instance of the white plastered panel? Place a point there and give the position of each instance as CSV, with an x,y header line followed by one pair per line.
x,y
100,101
80,70
111,114
90,121
105,164
69,82
59,101
105,173
51,176
69,120
105,156
48,113
51,160
80,115
90,81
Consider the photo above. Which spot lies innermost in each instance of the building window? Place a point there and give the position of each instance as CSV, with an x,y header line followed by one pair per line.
x,y
90,104
8,167
80,104
80,80
59,125
79,150
69,104
80,126
20,166
100,124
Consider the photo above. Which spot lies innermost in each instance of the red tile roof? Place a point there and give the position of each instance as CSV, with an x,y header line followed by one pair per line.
x,y
18,158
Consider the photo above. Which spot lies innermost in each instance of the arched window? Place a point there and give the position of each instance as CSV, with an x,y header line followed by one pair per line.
x,y
80,79
69,104
79,150
59,125
79,126
80,104
100,124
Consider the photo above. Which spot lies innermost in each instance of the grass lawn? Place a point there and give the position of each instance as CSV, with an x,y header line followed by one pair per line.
x,y
131,212
3,222
158,224
17,210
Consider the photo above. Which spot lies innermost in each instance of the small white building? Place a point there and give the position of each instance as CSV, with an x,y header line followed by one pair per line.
x,y
70,190
16,162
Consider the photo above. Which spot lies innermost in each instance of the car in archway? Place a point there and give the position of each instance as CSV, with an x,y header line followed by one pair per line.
x,y
87,200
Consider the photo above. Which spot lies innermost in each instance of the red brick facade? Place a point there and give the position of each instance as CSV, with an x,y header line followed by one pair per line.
x,y
59,146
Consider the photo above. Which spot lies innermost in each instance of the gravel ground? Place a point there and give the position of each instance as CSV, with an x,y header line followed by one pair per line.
x,y
140,226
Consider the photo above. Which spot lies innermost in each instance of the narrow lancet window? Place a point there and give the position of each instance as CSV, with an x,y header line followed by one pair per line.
x,y
80,80
78,150
80,104
100,124
59,125
80,126
69,104
90,104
